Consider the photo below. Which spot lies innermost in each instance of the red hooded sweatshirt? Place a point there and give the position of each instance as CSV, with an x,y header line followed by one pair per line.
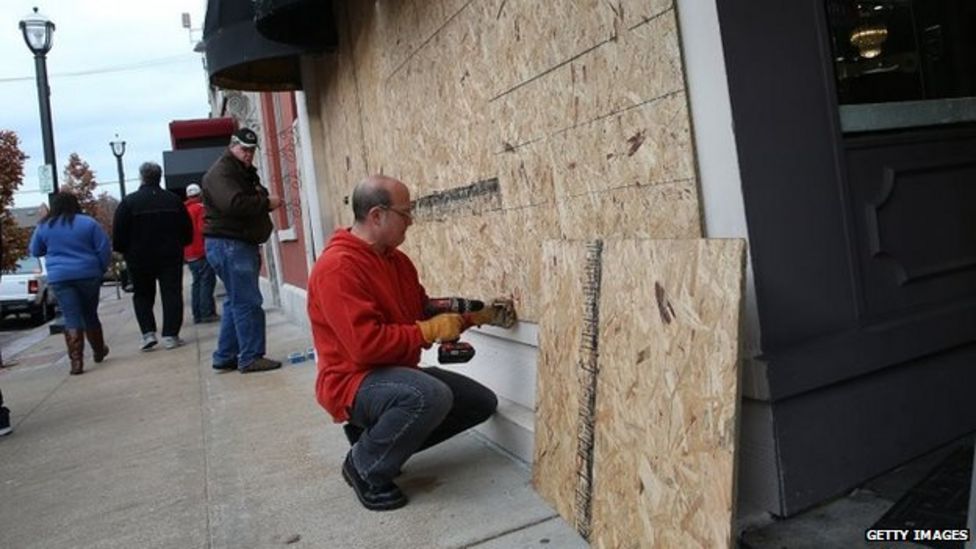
x,y
194,250
363,307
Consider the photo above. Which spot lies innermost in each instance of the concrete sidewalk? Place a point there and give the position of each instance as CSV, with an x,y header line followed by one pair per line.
x,y
158,450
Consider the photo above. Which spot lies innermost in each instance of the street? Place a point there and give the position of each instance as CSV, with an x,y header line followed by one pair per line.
x,y
19,332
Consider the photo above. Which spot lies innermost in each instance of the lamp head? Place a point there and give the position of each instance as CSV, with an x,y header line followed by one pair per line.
x,y
118,146
38,31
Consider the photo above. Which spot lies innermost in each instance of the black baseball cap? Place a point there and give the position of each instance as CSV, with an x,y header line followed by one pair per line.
x,y
245,137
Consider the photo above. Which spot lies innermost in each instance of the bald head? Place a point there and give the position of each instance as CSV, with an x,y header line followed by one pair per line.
x,y
383,212
375,190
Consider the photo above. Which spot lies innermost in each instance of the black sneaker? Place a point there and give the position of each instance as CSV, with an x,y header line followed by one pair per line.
x,y
260,365
232,365
374,498
5,428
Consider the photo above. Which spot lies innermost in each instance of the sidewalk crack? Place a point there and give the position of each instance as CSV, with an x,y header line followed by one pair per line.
x,y
510,531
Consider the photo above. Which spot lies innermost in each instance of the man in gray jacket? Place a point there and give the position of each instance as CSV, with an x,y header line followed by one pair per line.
x,y
236,222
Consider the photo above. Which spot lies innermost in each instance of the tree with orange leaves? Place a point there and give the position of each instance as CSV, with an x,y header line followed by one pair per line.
x,y
79,180
15,237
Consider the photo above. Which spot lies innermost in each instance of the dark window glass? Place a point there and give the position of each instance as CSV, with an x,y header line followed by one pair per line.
x,y
888,51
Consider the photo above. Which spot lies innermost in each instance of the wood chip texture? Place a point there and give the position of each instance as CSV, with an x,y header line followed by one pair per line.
x,y
577,108
667,390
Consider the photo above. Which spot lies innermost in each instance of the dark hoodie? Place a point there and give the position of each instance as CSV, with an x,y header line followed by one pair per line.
x,y
363,308
151,227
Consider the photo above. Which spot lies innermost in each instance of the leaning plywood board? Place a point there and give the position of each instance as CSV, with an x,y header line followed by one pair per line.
x,y
558,386
666,394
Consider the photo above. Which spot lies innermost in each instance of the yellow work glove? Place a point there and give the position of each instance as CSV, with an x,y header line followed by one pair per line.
x,y
442,327
484,316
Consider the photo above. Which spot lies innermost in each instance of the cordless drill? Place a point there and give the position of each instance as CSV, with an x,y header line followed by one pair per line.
x,y
454,352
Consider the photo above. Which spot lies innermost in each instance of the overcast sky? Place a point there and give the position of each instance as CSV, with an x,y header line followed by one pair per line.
x,y
139,73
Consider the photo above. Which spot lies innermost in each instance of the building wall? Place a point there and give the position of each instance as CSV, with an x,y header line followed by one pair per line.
x,y
282,157
512,122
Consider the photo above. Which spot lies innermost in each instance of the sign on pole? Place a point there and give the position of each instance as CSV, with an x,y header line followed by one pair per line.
x,y
45,174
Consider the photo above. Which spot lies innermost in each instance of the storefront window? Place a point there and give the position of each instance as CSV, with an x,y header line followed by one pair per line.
x,y
903,63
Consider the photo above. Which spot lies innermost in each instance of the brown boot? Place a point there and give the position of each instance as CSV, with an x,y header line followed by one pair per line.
x,y
97,342
75,341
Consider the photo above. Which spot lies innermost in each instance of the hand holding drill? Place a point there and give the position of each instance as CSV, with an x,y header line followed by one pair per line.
x,y
448,311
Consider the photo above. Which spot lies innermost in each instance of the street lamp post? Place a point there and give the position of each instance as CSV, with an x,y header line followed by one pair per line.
x,y
38,32
118,149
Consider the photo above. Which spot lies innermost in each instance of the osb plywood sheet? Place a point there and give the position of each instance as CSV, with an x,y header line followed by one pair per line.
x,y
638,67
447,125
667,390
668,210
645,146
409,25
533,37
577,108
507,262
558,375
343,146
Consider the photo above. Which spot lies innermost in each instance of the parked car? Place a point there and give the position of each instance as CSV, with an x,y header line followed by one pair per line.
x,y
25,290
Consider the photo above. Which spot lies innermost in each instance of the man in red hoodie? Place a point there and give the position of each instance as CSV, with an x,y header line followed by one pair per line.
x,y
204,278
366,307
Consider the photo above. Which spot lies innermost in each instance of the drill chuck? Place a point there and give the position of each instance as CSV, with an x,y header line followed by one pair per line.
x,y
438,305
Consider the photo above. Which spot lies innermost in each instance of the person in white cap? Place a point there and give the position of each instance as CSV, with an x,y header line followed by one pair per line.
x,y
204,278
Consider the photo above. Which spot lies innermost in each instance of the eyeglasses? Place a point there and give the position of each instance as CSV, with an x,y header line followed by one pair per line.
x,y
407,215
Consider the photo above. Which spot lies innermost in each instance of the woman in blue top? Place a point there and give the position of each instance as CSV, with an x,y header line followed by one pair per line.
x,y
78,253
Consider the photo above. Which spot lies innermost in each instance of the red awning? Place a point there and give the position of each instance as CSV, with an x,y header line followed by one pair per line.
x,y
184,133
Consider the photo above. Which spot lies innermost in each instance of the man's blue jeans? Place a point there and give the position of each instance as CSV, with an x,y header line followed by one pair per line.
x,y
78,300
202,289
242,326
406,410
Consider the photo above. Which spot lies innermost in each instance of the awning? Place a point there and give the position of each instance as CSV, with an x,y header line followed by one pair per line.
x,y
239,58
307,23
201,132
180,168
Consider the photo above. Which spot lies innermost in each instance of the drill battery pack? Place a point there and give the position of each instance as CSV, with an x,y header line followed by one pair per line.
x,y
454,352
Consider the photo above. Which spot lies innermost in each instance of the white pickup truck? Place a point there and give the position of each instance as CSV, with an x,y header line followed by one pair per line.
x,y
25,290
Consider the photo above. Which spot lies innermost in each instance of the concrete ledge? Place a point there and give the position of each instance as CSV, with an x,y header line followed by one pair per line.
x,y
505,361
293,304
512,429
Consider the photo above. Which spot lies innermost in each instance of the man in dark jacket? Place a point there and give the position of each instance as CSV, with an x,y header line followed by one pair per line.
x,y
151,228
237,221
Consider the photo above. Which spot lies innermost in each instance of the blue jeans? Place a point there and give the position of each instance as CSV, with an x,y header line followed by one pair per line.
x,y
406,410
242,326
202,289
78,300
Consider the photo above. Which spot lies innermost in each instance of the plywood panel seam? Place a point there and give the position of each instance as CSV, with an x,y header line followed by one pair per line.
x,y
555,201
359,97
429,38
553,68
589,370
508,147
583,53
651,18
